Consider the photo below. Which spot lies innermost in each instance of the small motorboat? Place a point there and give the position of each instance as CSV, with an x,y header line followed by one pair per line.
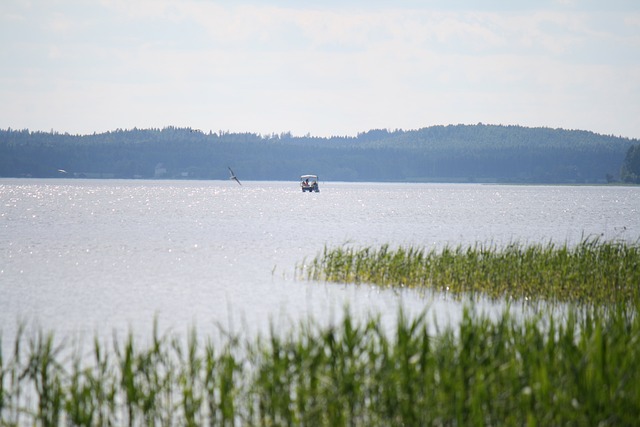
x,y
309,183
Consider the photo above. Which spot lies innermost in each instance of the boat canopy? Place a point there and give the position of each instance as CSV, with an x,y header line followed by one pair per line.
x,y
303,177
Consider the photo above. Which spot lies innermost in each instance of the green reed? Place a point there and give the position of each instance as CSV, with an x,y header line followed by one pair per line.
x,y
593,271
583,370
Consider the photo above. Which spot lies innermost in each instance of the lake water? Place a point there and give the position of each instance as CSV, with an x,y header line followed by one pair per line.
x,y
97,256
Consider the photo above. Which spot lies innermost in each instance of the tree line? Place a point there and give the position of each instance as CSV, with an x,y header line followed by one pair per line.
x,y
454,153
630,171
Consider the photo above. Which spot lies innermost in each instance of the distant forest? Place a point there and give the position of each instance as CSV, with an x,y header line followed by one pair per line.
x,y
455,153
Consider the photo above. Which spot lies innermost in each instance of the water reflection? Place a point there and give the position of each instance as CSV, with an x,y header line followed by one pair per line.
x,y
92,256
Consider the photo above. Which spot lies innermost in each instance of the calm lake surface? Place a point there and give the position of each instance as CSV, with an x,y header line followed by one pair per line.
x,y
97,256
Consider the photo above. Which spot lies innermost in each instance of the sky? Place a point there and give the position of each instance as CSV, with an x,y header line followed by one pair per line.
x,y
324,68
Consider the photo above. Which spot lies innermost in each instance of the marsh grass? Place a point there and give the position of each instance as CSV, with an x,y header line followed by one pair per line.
x,y
584,370
592,271
581,370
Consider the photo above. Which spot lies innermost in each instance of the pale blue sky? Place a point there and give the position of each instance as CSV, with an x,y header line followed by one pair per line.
x,y
324,68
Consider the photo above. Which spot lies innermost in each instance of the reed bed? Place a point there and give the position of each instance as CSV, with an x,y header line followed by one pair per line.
x,y
584,370
592,271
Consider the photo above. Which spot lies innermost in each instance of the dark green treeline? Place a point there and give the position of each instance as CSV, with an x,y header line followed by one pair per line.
x,y
456,153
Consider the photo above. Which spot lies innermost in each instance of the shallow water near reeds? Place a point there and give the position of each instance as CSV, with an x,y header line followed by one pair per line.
x,y
97,256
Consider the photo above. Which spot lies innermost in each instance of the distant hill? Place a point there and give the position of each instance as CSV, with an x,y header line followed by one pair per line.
x,y
455,153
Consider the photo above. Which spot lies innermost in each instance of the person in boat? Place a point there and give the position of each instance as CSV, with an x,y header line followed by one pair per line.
x,y
305,183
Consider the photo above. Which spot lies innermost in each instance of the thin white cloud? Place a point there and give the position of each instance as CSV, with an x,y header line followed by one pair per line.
x,y
334,69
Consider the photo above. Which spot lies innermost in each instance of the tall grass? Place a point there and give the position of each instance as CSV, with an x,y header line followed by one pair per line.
x,y
592,271
582,371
